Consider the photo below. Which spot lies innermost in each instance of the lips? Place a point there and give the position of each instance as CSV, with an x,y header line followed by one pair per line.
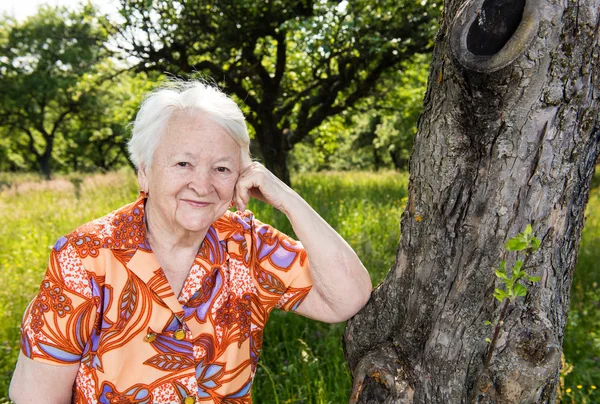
x,y
197,204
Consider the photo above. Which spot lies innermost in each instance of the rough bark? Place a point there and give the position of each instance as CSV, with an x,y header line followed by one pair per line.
x,y
509,136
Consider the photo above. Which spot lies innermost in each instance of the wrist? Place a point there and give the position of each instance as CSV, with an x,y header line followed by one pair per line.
x,y
291,203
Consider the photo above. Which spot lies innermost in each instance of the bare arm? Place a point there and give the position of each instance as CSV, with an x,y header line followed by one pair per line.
x,y
36,382
342,285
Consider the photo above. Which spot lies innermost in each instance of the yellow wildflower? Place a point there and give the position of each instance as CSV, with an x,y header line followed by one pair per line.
x,y
579,386
569,390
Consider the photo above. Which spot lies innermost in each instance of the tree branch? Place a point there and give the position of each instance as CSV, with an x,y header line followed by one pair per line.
x,y
237,88
280,64
326,101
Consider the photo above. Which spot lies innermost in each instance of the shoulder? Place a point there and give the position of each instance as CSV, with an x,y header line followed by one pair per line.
x,y
120,229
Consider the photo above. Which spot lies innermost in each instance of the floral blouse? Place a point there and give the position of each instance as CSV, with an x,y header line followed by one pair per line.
x,y
106,304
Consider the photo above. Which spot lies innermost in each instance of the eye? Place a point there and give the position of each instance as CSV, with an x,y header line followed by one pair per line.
x,y
183,164
223,169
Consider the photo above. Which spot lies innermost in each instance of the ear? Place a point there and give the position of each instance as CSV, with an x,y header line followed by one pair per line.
x,y
142,178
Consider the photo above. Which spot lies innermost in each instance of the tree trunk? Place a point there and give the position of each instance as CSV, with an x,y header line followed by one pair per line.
x,y
45,159
509,136
275,151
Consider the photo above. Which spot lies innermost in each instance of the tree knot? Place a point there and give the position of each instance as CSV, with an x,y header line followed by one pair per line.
x,y
382,366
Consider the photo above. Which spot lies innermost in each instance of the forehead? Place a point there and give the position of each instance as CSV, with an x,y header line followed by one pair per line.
x,y
188,123
197,134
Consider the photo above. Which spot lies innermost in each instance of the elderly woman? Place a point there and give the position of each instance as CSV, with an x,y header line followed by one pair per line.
x,y
165,300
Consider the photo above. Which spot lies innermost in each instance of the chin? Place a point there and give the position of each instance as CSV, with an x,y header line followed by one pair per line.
x,y
195,224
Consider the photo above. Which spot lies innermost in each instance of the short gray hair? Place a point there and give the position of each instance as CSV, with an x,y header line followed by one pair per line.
x,y
184,96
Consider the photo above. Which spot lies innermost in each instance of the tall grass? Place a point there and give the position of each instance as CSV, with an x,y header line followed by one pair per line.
x,y
302,360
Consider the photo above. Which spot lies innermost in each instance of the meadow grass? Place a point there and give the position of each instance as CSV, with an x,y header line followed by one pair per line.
x,y
302,360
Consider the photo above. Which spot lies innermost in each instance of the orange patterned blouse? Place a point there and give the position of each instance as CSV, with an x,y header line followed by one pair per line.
x,y
105,304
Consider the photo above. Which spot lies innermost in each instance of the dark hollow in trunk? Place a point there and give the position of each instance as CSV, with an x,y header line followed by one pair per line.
x,y
496,23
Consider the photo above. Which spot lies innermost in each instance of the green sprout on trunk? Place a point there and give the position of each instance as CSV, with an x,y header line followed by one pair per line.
x,y
527,242
513,285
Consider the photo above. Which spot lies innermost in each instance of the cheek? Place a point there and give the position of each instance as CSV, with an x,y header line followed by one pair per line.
x,y
227,187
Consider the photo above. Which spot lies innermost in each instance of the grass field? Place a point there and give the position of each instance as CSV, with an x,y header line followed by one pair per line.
x,y
302,360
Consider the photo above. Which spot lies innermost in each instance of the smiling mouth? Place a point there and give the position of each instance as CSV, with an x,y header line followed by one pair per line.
x,y
197,204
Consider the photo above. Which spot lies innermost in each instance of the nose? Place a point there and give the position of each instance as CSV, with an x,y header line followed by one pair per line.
x,y
201,182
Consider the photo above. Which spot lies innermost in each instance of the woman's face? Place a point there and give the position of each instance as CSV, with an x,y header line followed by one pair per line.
x,y
192,178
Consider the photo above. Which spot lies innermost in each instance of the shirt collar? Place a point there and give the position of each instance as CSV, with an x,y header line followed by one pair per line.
x,y
129,231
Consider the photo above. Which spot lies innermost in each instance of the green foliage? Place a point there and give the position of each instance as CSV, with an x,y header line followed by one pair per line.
x,y
58,105
523,241
97,138
347,74
377,133
293,63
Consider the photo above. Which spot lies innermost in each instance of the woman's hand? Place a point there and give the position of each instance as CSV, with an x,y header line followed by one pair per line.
x,y
258,182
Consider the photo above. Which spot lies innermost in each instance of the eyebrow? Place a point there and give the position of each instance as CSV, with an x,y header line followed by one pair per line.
x,y
226,158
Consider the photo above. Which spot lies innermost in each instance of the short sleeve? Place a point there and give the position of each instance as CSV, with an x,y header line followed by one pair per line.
x,y
283,266
58,322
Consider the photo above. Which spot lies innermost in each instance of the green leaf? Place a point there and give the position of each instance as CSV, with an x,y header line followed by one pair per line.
x,y
503,266
488,322
534,278
501,275
516,244
520,290
489,341
500,294
517,273
528,230
534,244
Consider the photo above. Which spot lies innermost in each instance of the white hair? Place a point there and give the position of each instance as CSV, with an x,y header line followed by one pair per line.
x,y
195,97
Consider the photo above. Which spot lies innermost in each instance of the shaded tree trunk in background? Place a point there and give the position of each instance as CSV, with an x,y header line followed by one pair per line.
x,y
274,150
45,162
43,159
400,164
509,136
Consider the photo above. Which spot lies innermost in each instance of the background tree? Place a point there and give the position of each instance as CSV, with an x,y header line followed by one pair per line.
x,y
385,124
98,136
43,65
509,136
293,63
400,103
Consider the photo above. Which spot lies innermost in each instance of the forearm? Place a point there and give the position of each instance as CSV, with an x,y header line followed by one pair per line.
x,y
339,276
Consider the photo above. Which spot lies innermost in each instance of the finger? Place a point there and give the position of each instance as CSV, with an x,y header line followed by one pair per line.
x,y
242,193
240,200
